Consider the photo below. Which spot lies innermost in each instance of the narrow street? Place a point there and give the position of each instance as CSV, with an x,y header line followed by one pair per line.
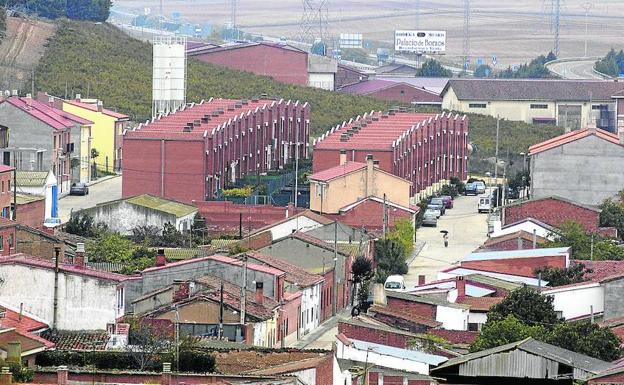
x,y
107,190
467,231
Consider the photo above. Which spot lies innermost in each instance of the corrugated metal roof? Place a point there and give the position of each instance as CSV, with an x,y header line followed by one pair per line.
x,y
423,299
506,277
412,355
471,290
512,254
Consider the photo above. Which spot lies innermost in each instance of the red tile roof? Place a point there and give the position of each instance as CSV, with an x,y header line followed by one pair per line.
x,y
571,137
53,117
405,316
4,168
307,213
373,131
29,341
337,171
525,235
294,274
455,336
313,241
28,260
602,269
220,258
77,340
93,107
13,319
480,303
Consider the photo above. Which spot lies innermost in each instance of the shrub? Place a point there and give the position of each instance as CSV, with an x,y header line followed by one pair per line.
x,y
243,192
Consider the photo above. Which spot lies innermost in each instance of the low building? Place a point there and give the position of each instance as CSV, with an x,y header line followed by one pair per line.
x,y
21,347
124,215
346,75
537,229
394,91
513,241
567,103
6,197
425,149
451,316
39,184
304,221
322,72
31,210
581,166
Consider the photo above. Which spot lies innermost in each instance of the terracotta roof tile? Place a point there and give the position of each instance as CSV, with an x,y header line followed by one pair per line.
x,y
601,269
294,274
93,107
455,336
244,361
480,303
77,340
53,117
337,171
571,137
13,319
28,340
405,316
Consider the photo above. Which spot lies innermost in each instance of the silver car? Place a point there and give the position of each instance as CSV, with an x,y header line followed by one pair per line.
x,y
430,218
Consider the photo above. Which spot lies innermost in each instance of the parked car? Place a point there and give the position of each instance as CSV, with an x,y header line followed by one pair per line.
x,y
448,201
52,222
512,193
471,189
395,283
480,187
436,209
430,218
438,202
485,204
79,189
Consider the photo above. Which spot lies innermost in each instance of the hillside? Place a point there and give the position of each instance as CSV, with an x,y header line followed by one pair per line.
x,y
101,61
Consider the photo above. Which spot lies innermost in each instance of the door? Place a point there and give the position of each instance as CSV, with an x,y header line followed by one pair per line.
x,y
569,117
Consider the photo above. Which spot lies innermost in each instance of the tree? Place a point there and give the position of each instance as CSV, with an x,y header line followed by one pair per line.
x,y
612,213
84,225
390,257
146,235
361,269
171,237
572,234
433,68
526,305
559,277
483,71
199,229
505,331
110,247
403,233
586,338
147,341
92,10
141,259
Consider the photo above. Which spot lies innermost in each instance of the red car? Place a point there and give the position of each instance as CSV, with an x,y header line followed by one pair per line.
x,y
448,201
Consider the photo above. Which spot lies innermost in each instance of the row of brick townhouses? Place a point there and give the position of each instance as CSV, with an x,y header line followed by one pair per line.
x,y
193,153
425,149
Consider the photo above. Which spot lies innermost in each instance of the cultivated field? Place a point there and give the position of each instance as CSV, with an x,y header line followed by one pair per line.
x,y
513,30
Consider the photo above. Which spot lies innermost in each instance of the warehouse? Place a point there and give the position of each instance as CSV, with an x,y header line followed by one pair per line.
x,y
193,153
425,149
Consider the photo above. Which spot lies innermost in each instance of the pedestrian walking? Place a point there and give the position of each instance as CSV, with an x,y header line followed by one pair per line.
x,y
445,237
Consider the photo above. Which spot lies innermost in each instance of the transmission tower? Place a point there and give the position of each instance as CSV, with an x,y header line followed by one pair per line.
x,y
557,22
314,21
233,13
466,45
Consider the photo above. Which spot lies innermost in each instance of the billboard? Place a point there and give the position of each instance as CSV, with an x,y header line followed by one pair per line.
x,y
169,74
350,40
420,41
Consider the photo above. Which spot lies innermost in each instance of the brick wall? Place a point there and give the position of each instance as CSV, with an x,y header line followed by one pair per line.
x,y
38,245
518,266
284,65
608,380
510,244
406,93
223,217
6,197
325,370
400,323
345,76
409,307
31,214
553,212
382,337
7,236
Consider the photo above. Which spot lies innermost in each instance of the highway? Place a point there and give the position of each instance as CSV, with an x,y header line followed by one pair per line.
x,y
575,69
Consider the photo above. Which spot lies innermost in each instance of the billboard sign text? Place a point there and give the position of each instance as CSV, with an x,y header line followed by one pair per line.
x,y
420,41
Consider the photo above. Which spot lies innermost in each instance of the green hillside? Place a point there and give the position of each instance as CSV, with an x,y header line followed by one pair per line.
x,y
98,60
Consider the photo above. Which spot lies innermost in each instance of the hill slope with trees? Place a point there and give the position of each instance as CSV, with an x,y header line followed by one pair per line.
x,y
101,61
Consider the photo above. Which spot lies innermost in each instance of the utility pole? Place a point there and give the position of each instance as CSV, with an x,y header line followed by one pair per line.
x,y
335,282
15,193
296,176
385,217
496,153
243,291
557,17
587,6
57,255
466,43
221,312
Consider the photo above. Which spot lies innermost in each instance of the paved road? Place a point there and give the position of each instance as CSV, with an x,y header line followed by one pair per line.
x,y
467,231
580,69
105,191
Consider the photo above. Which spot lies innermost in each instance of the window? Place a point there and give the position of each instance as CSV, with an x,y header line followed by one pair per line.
x,y
539,106
1,242
477,105
473,327
599,107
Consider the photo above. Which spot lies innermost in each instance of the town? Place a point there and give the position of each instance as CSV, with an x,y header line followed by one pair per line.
x,y
275,203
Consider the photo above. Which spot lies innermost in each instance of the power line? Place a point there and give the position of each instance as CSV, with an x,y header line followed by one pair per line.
x,y
466,44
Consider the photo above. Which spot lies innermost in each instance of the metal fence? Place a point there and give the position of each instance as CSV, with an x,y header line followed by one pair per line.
x,y
111,267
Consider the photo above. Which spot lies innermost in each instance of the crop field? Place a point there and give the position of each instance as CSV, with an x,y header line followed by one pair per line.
x,y
513,31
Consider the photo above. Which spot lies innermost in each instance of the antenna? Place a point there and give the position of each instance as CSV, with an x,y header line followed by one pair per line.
x,y
466,45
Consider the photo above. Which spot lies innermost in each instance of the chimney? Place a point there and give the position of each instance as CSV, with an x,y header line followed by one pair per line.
x,y
534,238
160,258
166,374
14,352
62,374
5,376
376,163
460,285
78,97
100,105
259,293
421,280
369,175
80,259
181,291
343,157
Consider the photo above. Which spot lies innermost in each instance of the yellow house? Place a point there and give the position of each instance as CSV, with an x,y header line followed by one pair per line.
x,y
106,131
350,182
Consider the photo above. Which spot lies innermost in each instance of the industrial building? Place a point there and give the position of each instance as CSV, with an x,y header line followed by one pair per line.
x,y
425,149
567,103
193,153
394,91
583,166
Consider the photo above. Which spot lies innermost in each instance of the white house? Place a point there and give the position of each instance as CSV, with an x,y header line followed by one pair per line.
x,y
529,225
40,183
86,299
577,300
303,221
386,356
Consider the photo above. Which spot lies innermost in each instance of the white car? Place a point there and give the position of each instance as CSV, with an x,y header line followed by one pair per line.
x,y
485,204
51,223
395,283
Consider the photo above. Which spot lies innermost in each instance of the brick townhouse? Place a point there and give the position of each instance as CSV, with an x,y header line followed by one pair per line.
x,y
425,149
194,152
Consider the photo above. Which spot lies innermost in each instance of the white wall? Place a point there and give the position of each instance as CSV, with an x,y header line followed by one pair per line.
x,y
307,376
186,220
84,303
527,226
259,331
575,301
350,353
452,318
340,377
477,318
321,80
310,299
286,228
